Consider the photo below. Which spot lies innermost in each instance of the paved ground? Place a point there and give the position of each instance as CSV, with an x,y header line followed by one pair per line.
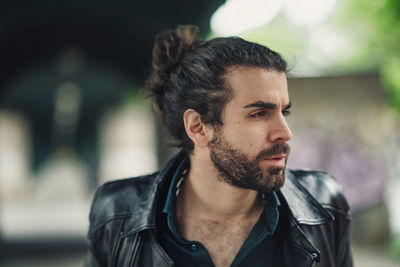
x,y
373,257
363,257
63,261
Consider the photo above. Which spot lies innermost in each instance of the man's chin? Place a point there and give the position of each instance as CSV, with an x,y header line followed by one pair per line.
x,y
273,181
279,181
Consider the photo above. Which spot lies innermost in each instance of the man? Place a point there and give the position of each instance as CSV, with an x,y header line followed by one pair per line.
x,y
226,198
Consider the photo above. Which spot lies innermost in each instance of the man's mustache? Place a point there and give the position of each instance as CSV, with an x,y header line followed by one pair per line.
x,y
277,149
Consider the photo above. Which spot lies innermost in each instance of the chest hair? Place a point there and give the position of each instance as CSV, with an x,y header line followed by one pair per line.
x,y
223,240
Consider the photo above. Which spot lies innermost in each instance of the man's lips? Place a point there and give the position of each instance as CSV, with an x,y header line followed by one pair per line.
x,y
277,159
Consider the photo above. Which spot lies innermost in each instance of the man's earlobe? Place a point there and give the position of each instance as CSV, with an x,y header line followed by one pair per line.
x,y
195,128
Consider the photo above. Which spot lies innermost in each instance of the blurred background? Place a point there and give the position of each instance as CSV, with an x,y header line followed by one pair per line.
x,y
73,113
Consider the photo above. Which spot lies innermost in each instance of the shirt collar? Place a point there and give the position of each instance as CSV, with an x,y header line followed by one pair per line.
x,y
173,190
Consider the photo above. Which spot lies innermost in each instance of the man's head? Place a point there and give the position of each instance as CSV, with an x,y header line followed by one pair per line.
x,y
189,72
228,96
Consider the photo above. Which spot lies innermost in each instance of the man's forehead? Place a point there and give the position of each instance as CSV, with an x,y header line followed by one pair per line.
x,y
251,84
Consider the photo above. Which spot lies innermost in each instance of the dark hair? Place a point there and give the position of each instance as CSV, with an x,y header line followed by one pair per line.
x,y
188,72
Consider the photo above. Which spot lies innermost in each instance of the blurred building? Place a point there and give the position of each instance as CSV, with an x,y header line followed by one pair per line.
x,y
342,125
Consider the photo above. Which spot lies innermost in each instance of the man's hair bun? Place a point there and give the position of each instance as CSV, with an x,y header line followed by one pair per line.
x,y
171,46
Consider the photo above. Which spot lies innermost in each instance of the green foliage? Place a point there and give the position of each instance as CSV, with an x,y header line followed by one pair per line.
x,y
280,36
395,246
391,78
381,18
137,97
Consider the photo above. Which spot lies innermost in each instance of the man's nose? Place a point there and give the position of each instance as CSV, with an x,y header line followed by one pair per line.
x,y
280,131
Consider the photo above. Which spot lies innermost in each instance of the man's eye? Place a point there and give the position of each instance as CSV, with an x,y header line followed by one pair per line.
x,y
258,114
286,113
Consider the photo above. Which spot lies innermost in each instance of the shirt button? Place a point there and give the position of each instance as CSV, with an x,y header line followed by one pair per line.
x,y
194,246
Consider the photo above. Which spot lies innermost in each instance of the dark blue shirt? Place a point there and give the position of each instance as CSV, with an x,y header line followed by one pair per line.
x,y
261,248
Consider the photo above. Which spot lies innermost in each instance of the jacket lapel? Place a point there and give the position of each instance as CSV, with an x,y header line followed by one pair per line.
x,y
303,210
302,206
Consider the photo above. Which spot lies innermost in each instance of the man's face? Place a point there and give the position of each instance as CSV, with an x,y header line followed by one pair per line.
x,y
250,150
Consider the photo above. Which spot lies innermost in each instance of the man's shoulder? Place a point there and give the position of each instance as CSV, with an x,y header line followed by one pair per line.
x,y
120,198
324,188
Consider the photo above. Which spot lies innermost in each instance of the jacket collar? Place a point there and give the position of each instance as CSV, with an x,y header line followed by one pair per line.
x,y
302,207
145,215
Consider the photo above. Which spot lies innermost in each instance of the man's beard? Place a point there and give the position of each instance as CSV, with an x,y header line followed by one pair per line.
x,y
235,168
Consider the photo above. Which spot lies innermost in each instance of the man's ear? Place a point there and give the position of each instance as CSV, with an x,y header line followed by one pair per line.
x,y
197,131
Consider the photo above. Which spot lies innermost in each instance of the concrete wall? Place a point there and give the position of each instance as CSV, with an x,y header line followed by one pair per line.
x,y
342,125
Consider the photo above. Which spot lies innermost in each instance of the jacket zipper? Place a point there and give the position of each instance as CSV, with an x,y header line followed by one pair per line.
x,y
167,257
114,263
314,255
136,248
314,259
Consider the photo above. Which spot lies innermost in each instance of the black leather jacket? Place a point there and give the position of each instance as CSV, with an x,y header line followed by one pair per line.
x,y
124,217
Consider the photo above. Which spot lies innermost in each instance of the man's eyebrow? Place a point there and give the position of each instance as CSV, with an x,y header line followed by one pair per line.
x,y
266,105
288,106
261,104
